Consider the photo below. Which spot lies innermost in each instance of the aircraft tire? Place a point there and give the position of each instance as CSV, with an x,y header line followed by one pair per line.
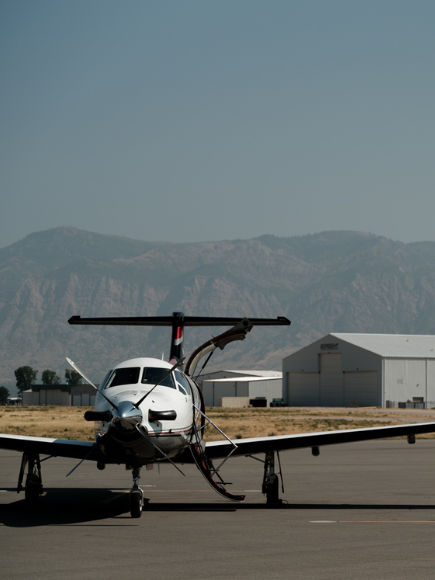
x,y
136,503
272,491
32,492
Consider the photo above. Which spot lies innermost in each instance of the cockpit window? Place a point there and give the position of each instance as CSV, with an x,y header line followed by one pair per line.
x,y
183,384
104,381
151,376
125,376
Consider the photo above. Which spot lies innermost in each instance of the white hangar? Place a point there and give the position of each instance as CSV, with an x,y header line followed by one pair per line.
x,y
342,370
220,386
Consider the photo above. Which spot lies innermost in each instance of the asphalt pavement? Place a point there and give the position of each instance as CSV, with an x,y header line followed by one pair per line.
x,y
358,511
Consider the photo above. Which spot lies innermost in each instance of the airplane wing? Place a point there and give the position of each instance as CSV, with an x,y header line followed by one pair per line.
x,y
52,447
215,449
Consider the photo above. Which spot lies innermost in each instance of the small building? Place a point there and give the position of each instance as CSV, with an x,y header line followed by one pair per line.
x,y
82,396
79,395
13,401
240,385
383,370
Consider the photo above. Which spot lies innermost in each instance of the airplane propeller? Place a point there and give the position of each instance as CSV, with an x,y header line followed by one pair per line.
x,y
82,374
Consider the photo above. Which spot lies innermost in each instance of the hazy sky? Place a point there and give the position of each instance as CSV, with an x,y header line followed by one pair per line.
x,y
211,120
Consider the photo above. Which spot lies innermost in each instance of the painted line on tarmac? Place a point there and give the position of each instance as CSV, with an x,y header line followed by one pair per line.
x,y
387,522
372,522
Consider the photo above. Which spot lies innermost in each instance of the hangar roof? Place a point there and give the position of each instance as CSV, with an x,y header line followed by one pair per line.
x,y
392,345
241,379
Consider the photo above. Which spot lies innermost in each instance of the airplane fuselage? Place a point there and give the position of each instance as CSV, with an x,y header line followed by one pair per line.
x,y
146,422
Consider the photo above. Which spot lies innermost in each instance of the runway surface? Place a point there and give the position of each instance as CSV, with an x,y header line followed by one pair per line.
x,y
359,511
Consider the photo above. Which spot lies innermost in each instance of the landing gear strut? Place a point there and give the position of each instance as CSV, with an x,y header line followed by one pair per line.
x,y
270,485
136,495
33,486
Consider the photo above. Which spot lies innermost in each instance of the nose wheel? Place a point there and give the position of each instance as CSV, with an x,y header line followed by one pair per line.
x,y
136,502
136,495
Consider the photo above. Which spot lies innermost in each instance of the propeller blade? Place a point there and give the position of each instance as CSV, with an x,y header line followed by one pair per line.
x,y
82,374
76,368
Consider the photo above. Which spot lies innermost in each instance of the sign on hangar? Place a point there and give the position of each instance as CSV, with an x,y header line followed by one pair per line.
x,y
342,370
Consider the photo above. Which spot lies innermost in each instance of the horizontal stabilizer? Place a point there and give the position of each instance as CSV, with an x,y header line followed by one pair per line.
x,y
168,321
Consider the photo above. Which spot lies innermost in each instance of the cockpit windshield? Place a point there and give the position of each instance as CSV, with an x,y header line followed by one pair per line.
x,y
130,376
124,376
183,385
153,375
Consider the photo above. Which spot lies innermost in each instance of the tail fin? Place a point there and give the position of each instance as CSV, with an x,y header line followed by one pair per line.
x,y
177,340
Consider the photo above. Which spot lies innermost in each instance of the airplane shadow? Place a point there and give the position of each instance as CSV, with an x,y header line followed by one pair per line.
x,y
65,507
96,507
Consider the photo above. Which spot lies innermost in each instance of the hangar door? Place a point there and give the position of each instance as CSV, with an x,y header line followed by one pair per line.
x,y
361,389
303,389
331,380
332,387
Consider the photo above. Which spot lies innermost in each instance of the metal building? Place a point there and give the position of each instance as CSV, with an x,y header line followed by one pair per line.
x,y
246,385
78,395
242,388
383,370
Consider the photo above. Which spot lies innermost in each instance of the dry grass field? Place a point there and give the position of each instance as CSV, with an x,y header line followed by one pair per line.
x,y
68,423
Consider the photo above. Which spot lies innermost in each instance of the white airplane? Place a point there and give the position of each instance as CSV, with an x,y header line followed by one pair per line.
x,y
148,410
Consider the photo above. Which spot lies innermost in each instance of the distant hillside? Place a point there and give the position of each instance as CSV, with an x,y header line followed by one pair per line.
x,y
334,281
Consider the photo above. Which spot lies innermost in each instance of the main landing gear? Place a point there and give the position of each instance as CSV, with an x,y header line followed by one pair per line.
x,y
33,486
136,495
270,486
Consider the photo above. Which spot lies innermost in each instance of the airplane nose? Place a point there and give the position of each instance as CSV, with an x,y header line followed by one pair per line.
x,y
126,415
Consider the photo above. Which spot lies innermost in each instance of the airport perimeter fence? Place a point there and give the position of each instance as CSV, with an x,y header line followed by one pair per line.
x,y
411,405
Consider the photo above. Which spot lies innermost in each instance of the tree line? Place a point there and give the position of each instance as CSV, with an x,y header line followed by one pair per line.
x,y
26,378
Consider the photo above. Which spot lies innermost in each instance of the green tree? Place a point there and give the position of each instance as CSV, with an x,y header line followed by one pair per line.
x,y
4,394
50,378
73,377
26,377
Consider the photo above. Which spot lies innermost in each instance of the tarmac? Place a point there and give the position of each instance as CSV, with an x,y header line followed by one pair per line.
x,y
358,511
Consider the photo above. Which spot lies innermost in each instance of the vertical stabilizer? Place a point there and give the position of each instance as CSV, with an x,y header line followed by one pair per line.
x,y
177,350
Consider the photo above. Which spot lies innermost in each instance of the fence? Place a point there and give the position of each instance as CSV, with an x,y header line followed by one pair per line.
x,y
411,405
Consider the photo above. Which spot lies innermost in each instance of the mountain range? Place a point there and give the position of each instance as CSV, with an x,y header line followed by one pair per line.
x,y
329,282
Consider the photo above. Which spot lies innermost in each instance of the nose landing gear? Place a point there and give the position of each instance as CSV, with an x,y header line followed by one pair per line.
x,y
136,495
